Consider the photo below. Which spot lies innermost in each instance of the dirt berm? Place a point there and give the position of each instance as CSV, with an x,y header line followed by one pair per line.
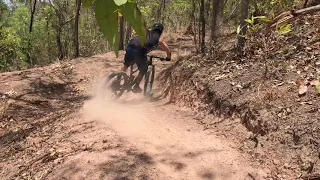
x,y
259,90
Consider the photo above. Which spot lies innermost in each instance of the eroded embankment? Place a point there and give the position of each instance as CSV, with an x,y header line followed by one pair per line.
x,y
261,88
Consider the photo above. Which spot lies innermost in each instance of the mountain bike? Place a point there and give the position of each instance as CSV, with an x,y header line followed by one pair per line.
x,y
118,82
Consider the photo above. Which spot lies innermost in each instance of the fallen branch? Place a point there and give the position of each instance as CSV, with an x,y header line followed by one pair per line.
x,y
308,10
311,177
281,18
28,165
287,15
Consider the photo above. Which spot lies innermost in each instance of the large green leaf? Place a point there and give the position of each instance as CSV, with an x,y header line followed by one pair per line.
x,y
249,21
107,12
120,2
133,15
107,19
262,18
87,3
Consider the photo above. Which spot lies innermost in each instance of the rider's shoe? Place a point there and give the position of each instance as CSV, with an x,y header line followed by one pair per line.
x,y
136,89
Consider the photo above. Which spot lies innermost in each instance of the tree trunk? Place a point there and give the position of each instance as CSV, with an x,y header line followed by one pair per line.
x,y
203,30
121,47
57,25
58,28
243,24
208,10
195,25
159,10
48,39
28,49
59,43
163,10
33,10
215,4
199,29
217,18
128,33
76,29
220,17
190,28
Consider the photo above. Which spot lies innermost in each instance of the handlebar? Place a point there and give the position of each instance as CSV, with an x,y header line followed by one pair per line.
x,y
161,58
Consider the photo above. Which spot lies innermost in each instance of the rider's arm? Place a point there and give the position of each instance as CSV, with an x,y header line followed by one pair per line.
x,y
164,47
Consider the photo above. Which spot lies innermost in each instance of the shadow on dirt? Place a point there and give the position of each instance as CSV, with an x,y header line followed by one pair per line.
x,y
15,136
127,164
207,175
105,160
132,165
139,101
43,99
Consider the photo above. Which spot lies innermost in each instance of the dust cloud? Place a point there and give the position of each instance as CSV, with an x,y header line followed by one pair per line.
x,y
126,115
169,138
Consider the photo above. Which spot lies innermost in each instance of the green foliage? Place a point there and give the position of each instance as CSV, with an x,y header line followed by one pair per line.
x,y
19,21
3,12
274,5
261,18
133,15
9,46
284,29
252,26
87,3
107,19
238,29
17,44
91,40
107,12
148,9
177,13
54,24
120,2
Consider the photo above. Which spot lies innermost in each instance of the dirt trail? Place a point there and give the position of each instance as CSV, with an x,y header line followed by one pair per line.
x,y
170,139
154,140
132,138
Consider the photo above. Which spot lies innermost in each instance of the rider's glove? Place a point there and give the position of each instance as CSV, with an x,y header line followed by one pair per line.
x,y
168,59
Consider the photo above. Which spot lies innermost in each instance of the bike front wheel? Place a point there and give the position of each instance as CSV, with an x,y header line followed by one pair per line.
x,y
149,79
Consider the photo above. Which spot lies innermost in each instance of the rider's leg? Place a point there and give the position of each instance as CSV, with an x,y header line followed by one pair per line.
x,y
138,79
136,88
142,66
128,58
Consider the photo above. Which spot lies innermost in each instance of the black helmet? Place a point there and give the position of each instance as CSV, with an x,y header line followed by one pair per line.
x,y
157,27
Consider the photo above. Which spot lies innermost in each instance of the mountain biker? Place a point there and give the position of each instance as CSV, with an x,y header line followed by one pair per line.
x,y
137,53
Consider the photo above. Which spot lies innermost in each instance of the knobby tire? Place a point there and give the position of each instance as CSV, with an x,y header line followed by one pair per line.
x,y
117,89
149,79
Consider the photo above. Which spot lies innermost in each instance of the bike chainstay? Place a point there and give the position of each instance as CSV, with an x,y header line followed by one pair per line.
x,y
131,78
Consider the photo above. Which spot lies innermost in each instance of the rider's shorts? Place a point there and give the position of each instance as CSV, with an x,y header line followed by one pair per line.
x,y
134,56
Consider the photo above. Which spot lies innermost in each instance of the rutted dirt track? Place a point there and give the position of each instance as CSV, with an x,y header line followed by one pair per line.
x,y
59,133
170,141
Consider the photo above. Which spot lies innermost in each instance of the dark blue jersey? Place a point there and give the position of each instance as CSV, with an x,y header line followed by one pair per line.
x,y
151,43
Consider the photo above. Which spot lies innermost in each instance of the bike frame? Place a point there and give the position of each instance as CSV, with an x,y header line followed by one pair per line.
x,y
129,79
133,71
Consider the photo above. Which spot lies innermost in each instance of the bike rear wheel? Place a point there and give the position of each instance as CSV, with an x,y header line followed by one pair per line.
x,y
116,83
149,79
